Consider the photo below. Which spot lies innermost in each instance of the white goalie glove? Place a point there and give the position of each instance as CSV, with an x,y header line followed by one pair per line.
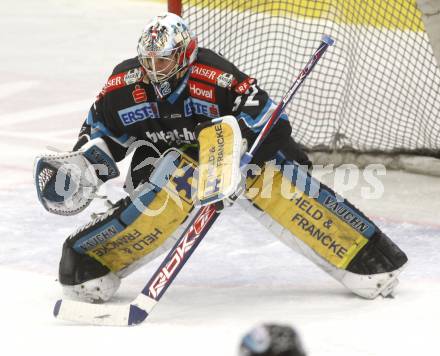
x,y
66,182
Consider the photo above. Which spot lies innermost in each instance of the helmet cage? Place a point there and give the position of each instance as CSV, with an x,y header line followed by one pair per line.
x,y
160,67
160,43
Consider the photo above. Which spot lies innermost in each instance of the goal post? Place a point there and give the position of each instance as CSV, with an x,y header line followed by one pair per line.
x,y
380,96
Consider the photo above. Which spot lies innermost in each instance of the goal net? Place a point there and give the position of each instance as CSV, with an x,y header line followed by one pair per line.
x,y
376,90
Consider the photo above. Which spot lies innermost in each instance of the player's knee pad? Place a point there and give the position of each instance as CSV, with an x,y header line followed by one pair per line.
x,y
95,290
335,235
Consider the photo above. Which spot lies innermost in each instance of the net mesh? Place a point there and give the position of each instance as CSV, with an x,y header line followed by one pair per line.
x,y
377,89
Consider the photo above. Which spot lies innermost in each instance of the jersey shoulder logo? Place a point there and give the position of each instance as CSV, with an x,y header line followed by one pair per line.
x,y
212,75
120,80
243,87
226,80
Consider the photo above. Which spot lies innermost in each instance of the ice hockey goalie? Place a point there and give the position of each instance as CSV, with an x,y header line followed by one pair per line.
x,y
167,106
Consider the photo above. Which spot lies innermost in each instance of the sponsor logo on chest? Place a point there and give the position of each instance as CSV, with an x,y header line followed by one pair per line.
x,y
171,136
139,94
201,91
137,113
194,106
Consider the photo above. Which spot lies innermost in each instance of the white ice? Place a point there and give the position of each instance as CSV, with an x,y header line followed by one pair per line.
x,y
55,57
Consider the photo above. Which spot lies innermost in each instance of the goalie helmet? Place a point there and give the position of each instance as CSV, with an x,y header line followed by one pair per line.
x,y
166,47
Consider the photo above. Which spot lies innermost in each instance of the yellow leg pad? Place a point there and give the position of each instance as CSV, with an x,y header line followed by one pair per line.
x,y
319,227
163,215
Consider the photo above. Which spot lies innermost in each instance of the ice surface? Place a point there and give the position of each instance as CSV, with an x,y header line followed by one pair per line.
x,y
56,55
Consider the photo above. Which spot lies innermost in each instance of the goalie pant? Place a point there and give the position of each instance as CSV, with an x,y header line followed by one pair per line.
x,y
333,234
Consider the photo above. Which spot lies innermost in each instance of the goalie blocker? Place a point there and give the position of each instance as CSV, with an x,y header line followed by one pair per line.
x,y
301,212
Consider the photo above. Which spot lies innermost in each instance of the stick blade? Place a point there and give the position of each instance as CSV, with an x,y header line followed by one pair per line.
x,y
136,315
98,314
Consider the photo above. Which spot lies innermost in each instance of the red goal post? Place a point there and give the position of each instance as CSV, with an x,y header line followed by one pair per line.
x,y
175,6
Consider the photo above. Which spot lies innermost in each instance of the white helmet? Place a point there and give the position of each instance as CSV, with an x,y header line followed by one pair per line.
x,y
166,47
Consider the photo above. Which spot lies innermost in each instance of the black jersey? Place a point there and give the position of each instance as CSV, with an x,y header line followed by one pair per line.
x,y
128,109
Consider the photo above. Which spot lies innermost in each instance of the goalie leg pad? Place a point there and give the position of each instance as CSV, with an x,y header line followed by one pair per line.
x,y
380,255
96,290
332,233
76,268
135,228
368,286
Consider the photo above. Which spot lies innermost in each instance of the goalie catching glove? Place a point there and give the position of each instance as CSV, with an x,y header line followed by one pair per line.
x,y
66,182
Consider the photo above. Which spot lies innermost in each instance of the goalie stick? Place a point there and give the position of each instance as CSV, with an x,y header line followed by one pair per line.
x,y
138,310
